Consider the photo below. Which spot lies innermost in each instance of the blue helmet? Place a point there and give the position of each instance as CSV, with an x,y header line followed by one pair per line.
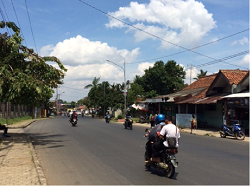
x,y
160,118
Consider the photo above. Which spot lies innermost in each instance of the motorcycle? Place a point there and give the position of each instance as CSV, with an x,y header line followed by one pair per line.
x,y
73,121
164,160
144,119
107,118
128,122
234,131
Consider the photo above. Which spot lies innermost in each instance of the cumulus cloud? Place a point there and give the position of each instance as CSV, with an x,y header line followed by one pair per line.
x,y
242,41
86,59
180,22
245,60
79,51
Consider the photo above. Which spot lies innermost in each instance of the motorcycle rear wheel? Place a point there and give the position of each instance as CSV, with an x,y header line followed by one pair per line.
x,y
147,165
170,171
240,135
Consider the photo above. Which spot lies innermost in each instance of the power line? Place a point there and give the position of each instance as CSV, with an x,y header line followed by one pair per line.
x,y
224,59
2,14
18,22
31,26
190,50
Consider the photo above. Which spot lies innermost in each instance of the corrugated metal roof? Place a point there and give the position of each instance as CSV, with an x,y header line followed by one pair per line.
x,y
206,100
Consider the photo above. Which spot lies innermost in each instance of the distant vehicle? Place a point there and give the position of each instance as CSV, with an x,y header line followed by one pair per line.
x,y
86,112
78,112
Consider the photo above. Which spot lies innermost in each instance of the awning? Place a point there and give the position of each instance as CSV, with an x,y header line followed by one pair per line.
x,y
238,95
143,107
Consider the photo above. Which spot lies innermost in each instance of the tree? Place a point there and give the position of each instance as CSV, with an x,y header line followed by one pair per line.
x,y
162,79
25,77
134,92
93,91
202,74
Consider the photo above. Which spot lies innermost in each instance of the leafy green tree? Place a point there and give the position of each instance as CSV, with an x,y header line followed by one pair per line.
x,y
162,79
25,77
134,92
201,74
93,90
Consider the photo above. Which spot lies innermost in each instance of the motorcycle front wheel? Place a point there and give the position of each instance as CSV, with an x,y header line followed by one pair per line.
x,y
222,134
240,135
170,171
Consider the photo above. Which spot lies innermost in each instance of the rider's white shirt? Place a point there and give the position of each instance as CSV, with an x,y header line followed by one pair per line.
x,y
169,130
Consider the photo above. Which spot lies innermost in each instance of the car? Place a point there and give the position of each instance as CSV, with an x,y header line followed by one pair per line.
x,y
78,112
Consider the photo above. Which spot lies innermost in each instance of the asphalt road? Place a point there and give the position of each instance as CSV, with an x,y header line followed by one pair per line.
x,y
96,153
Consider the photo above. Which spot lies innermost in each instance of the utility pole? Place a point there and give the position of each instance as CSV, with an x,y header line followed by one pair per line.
x,y
191,68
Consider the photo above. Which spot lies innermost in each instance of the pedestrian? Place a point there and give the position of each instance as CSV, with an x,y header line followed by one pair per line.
x,y
5,129
152,120
193,124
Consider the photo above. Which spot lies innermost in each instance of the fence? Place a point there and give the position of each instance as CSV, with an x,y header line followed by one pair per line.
x,y
14,111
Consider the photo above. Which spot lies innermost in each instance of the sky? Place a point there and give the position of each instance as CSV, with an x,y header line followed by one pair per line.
x,y
208,35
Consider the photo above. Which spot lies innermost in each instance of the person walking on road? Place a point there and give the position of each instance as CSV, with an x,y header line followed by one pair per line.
x,y
193,124
152,120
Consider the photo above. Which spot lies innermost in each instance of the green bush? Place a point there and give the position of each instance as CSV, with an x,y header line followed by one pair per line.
x,y
119,117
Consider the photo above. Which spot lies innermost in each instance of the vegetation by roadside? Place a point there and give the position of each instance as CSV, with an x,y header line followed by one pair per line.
x,y
14,120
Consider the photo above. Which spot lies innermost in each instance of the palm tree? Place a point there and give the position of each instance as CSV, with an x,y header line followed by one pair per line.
x,y
93,87
202,74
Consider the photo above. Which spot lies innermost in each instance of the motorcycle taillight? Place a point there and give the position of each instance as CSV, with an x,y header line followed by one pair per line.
x,y
171,151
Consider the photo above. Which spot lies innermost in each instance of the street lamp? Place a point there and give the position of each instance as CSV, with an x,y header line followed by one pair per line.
x,y
124,81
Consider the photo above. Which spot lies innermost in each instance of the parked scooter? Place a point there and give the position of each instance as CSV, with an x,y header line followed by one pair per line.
x,y
234,131
128,122
144,119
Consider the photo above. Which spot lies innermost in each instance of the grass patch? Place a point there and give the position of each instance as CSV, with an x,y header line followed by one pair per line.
x,y
14,120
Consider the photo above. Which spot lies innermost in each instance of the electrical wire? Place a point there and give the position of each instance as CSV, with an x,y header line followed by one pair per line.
x,y
186,49
223,60
18,22
191,48
2,14
31,26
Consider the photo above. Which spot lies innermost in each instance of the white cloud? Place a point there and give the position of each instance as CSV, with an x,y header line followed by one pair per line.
x,y
144,66
180,22
79,51
85,59
46,50
242,41
245,60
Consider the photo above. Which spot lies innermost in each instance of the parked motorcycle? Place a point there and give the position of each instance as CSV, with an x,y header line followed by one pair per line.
x,y
144,119
73,121
165,161
107,118
128,122
234,131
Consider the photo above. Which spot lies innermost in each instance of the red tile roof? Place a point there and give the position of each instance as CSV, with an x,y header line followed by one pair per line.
x,y
234,76
202,82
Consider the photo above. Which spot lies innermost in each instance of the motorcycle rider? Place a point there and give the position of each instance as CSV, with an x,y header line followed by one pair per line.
x,y
154,143
74,114
107,116
168,131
